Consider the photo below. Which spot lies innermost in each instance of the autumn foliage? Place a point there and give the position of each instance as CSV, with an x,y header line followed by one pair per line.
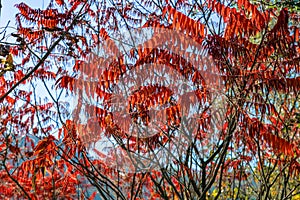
x,y
232,134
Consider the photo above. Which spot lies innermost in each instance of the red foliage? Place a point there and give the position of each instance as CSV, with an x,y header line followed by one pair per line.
x,y
45,146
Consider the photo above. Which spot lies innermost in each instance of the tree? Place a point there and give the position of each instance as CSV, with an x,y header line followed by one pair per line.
x,y
199,100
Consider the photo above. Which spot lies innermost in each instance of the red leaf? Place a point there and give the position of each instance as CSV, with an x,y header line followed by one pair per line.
x,y
66,82
10,100
93,196
60,2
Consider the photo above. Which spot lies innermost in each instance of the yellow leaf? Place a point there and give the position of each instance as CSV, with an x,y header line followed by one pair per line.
x,y
214,193
9,62
297,197
9,59
108,119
